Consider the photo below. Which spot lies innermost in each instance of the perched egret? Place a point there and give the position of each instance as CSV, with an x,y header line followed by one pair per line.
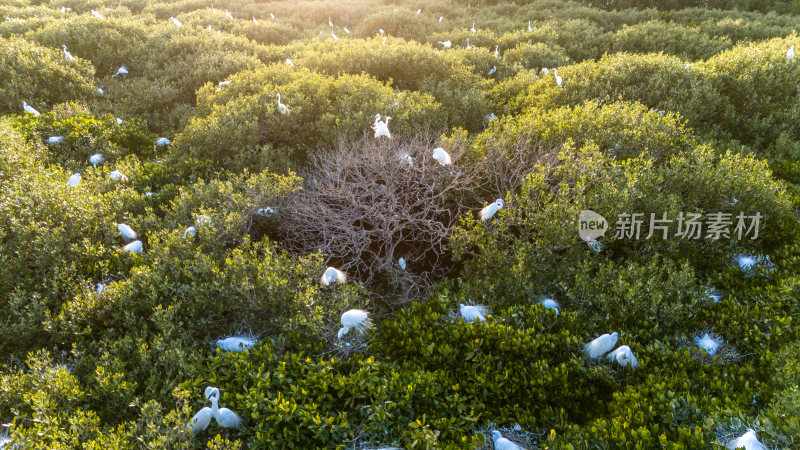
x,y
236,343
354,318
332,275
255,21
134,247
281,107
148,194
501,443
121,71
55,139
330,22
29,109
419,11
212,9
469,47
446,44
545,70
496,51
624,357
97,14
272,16
202,220
595,245
402,263
440,155
67,54
266,212
223,84
601,345
708,342
96,159
289,62
558,78
441,18
492,70
489,117
471,312
333,35
74,180
191,231
380,30
99,288
529,26
473,27
549,303
748,441
228,14
116,175
224,416
382,127
127,232
118,120
790,53
746,262
162,142
489,211
175,21
346,30
100,91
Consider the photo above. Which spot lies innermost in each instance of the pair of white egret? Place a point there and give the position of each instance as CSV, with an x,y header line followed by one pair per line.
x,y
603,344
129,235
224,416
381,127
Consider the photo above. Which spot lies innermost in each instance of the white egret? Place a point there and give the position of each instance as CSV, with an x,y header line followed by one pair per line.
x,y
489,117
97,14
595,245
116,175
708,342
266,212
748,441
440,155
558,78
333,35
191,231
501,443
545,70
74,180
746,262
489,211
255,21
357,319
236,343
118,120
67,54
496,51
127,232
790,53
549,303
175,21
419,11
330,22
473,27
441,18
601,345
492,70
99,288
224,416
529,26
471,312
148,194
212,9
100,91
382,127
29,109
223,84
55,139
162,142
446,44
281,107
228,14
380,30
121,71
202,220
332,275
469,47
346,30
272,16
624,357
289,62
96,159
402,263
134,247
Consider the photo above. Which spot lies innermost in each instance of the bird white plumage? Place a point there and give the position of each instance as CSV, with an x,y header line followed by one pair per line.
x,y
121,71
790,53
74,180
624,357
97,14
127,232
492,70
67,54
272,16
29,109
55,139
496,51
501,443
549,303
529,26
440,155
545,70
473,27
281,107
236,343
190,231
116,175
228,14
489,211
441,18
333,35
471,312
224,416
558,78
380,30
595,245
748,441
346,30
469,47
601,345
96,159
162,142
255,21
381,127
134,247
446,44
357,319
708,342
289,62
101,91
175,21
402,263
332,275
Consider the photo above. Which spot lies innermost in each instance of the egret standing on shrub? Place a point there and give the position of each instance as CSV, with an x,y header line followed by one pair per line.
x,y
236,343
121,71
127,232
134,247
116,175
67,54
97,14
624,357
354,318
492,70
96,159
708,342
790,53
224,416
471,312
175,21
501,443
489,211
74,180
332,275
55,140
440,155
558,78
549,303
446,44
601,345
191,231
747,441
29,109
382,127
162,142
281,107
